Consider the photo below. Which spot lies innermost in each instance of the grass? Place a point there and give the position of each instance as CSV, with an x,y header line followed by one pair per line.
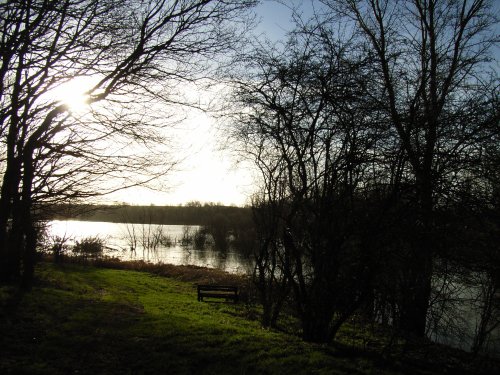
x,y
87,320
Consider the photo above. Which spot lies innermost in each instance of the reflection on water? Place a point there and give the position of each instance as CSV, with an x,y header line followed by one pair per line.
x,y
117,237
456,311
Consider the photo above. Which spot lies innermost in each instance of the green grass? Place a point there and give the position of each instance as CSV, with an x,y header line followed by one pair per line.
x,y
85,320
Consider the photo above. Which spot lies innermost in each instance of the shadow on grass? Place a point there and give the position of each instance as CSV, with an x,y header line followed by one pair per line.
x,y
80,320
59,332
84,320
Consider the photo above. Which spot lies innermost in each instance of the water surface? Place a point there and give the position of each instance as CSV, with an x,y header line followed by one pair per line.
x,y
119,242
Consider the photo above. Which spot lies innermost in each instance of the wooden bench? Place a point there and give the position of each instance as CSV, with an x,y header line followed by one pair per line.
x,y
218,291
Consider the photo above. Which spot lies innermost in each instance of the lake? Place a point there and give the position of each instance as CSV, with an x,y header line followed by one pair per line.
x,y
129,242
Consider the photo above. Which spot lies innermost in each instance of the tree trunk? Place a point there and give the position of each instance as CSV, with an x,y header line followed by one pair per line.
x,y
316,326
14,241
415,303
27,221
29,258
10,186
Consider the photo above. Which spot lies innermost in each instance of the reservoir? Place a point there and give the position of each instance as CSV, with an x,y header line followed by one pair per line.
x,y
127,241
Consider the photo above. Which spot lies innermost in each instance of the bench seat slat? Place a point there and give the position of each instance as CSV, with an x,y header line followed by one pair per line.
x,y
213,295
217,287
218,291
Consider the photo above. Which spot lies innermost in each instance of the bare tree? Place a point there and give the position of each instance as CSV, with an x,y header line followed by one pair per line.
x,y
385,119
269,212
135,55
430,66
305,122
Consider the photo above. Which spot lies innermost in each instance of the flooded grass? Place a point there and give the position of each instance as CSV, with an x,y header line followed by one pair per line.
x,y
90,320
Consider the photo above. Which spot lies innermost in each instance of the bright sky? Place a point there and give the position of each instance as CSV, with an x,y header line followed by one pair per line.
x,y
208,174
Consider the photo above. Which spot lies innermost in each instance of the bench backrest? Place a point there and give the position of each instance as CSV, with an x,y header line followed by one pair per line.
x,y
222,288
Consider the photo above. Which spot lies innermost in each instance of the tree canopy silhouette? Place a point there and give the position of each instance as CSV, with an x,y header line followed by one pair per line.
x,y
373,126
133,56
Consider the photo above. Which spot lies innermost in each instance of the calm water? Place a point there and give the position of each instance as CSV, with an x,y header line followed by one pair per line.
x,y
455,323
118,236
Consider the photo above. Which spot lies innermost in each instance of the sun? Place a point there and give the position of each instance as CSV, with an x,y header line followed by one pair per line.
x,y
73,94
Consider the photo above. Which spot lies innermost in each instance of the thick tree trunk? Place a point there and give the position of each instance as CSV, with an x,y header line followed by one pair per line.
x,y
8,254
29,256
415,301
316,327
14,242
27,221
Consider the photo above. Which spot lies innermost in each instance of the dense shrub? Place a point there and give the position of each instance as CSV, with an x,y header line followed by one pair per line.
x,y
89,248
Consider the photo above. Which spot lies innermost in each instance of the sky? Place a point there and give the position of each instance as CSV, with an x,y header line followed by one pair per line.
x,y
207,173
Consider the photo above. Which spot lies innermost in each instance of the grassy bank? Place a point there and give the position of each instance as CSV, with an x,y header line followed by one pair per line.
x,y
88,320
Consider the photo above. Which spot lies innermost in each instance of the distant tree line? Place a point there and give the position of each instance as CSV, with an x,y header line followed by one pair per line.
x,y
174,215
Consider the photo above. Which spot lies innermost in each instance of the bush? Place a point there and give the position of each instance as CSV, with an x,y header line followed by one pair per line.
x,y
59,248
89,247
199,238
